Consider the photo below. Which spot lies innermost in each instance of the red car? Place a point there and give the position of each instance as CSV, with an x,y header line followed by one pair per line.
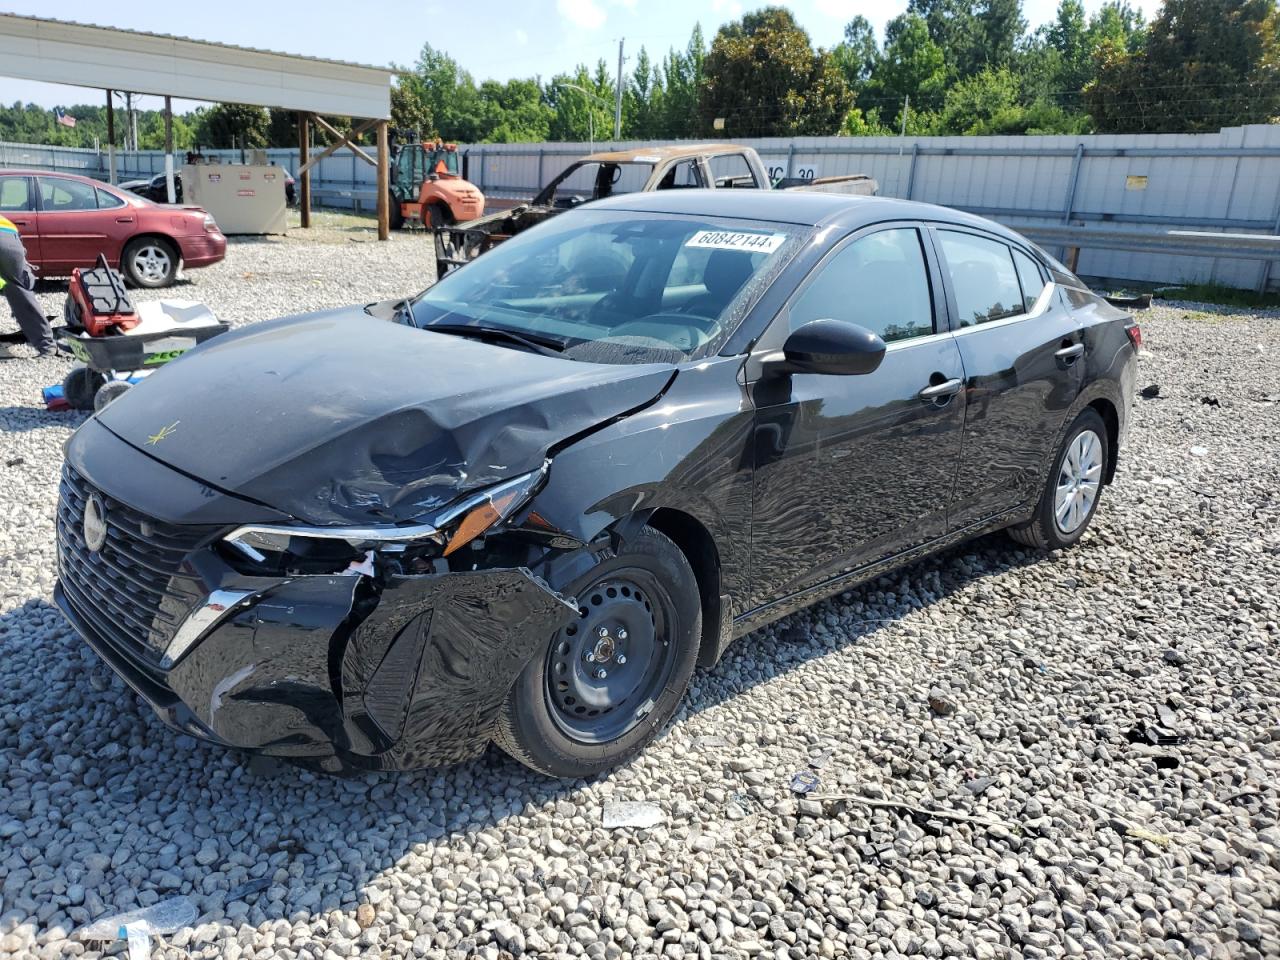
x,y
66,221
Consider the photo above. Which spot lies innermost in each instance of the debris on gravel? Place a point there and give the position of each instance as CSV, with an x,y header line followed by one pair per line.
x,y
1065,755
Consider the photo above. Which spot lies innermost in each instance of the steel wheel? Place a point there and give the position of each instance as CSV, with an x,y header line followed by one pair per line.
x,y
1079,479
606,670
150,263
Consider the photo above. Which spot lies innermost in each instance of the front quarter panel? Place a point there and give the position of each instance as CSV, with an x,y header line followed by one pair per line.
x,y
689,451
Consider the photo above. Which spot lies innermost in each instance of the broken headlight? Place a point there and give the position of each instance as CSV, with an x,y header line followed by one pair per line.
x,y
287,549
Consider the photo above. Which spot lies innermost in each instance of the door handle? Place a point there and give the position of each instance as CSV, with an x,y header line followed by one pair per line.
x,y
1070,354
18,223
124,219
941,391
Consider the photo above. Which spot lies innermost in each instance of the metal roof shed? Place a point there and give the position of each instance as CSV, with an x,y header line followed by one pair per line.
x,y
55,51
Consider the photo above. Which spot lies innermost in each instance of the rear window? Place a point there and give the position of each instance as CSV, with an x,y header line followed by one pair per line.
x,y
57,195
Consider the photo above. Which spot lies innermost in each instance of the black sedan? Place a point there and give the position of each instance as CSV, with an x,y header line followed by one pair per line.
x,y
523,505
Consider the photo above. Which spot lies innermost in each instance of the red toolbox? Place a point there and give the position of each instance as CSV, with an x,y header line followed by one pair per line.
x,y
97,301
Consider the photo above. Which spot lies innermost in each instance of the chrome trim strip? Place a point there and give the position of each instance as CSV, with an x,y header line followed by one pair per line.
x,y
216,606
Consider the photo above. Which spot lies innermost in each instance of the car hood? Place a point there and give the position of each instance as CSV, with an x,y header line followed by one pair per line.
x,y
340,417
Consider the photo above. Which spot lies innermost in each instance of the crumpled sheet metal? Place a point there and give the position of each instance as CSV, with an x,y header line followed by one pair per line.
x,y
468,636
357,420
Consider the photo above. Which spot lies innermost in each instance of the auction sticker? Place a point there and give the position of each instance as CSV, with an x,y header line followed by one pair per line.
x,y
728,240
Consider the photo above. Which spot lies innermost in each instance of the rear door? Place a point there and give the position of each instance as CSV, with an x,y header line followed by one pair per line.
x,y
17,204
79,220
854,469
1023,352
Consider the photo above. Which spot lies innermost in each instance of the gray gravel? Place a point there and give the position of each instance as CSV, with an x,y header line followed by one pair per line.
x,y
1106,717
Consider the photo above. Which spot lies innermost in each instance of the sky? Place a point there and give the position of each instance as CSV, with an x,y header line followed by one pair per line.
x,y
493,39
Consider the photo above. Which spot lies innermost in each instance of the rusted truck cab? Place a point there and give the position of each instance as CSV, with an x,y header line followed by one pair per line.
x,y
716,166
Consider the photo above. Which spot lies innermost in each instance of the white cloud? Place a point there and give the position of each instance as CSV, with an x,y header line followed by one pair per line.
x,y
583,14
522,38
731,9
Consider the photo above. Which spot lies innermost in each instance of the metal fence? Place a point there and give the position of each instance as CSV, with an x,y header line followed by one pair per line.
x,y
1227,181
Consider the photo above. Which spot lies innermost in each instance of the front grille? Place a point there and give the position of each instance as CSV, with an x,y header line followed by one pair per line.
x,y
136,591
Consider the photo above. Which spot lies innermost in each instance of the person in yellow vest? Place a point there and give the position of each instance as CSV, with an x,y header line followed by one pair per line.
x,y
17,280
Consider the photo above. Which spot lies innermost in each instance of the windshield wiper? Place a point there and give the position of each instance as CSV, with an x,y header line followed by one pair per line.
x,y
547,346
399,308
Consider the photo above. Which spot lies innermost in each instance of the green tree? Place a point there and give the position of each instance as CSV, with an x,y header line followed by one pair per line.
x,y
858,55
1000,26
912,66
409,107
952,25
1206,64
232,125
642,101
582,103
683,75
765,79
514,112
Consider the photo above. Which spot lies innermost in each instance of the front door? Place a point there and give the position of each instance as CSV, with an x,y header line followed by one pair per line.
x,y
72,231
853,469
1023,353
17,205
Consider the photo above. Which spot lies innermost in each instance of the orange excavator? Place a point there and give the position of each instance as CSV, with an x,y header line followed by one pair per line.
x,y
427,186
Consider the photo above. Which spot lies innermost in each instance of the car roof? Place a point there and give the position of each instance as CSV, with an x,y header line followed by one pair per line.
x,y
801,207
669,152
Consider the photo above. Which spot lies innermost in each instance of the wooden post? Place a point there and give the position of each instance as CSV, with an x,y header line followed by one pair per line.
x,y
168,150
304,177
1073,258
111,140
384,184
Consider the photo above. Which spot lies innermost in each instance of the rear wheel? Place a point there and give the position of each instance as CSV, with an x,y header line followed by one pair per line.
x,y
80,386
1073,488
437,216
607,682
150,262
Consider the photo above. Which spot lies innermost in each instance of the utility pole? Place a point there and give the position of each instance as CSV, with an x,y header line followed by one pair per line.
x,y
617,106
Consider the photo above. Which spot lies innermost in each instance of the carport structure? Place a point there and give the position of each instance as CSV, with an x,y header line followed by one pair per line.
x,y
84,55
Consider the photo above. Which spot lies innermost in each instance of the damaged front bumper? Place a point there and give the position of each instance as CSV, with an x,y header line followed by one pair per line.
x,y
372,670
336,673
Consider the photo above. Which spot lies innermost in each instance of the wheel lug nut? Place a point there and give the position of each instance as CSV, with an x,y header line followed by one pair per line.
x,y
622,633
602,632
601,674
589,657
621,660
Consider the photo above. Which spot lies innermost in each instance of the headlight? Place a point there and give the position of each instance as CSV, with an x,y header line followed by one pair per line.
x,y
305,549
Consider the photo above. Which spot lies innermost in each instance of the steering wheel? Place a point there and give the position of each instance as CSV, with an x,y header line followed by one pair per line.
x,y
674,329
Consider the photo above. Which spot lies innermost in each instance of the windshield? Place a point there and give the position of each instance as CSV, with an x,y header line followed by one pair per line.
x,y
618,287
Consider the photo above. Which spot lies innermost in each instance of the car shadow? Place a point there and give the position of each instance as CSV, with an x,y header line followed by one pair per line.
x,y
317,843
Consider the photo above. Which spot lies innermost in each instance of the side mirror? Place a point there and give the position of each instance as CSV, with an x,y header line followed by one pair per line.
x,y
831,347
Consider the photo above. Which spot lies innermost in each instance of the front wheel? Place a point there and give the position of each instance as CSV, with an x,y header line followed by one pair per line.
x,y
607,682
1073,489
150,262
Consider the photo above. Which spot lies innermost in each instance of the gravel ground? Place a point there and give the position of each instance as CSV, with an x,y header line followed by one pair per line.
x,y
1106,719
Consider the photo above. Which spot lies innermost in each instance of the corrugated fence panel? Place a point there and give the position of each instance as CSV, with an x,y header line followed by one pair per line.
x,y
1229,180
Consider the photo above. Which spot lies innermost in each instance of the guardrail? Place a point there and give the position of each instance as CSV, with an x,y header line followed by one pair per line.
x,y
1175,243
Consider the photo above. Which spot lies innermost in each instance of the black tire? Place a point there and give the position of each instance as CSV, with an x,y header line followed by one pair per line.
x,y
650,578
1043,531
395,216
150,262
80,386
437,216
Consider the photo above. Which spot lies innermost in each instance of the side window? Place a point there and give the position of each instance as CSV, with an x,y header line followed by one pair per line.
x,y
58,195
1031,278
681,175
732,170
983,275
879,282
14,194
108,200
